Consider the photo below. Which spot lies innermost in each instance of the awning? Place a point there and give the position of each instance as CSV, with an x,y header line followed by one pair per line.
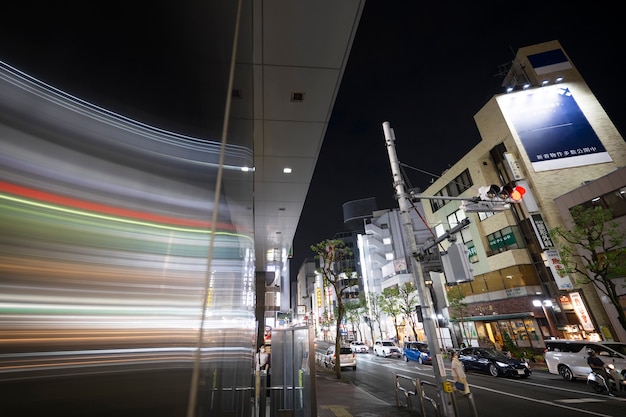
x,y
496,317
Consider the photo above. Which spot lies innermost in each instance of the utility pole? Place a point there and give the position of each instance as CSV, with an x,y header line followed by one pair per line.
x,y
424,295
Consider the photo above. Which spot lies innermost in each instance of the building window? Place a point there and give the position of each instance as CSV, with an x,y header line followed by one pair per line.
x,y
454,188
614,201
455,219
482,215
505,239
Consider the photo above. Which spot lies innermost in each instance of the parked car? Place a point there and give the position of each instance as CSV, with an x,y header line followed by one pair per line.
x,y
568,358
493,362
346,360
359,347
387,348
417,351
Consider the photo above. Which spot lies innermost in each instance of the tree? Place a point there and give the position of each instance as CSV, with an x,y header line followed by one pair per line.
x,y
333,256
594,248
458,310
389,303
354,311
408,300
374,313
365,313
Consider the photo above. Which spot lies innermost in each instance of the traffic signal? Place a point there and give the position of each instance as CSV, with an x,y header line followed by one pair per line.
x,y
506,194
512,194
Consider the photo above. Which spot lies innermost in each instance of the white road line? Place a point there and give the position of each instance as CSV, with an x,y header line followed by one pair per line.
x,y
544,402
551,403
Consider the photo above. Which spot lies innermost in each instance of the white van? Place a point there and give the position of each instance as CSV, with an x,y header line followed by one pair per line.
x,y
568,358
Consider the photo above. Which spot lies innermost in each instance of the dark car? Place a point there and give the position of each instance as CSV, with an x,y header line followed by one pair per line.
x,y
418,352
493,362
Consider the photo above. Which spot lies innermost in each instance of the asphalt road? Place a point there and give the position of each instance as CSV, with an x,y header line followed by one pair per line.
x,y
164,393
542,394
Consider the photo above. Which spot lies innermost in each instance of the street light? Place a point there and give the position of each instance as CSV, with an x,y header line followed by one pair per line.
x,y
543,304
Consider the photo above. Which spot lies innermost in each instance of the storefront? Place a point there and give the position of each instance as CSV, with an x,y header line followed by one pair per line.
x,y
502,331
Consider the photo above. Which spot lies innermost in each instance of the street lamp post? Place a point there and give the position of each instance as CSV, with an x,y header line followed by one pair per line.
x,y
543,304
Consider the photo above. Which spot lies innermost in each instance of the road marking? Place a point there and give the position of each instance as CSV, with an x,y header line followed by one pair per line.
x,y
581,400
338,410
553,404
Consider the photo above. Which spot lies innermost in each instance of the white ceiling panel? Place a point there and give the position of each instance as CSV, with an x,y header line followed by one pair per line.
x,y
298,47
318,85
308,33
292,138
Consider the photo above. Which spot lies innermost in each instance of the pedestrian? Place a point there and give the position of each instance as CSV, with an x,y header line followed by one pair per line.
x,y
262,359
458,373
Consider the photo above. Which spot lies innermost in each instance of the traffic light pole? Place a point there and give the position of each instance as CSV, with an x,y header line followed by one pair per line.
x,y
424,295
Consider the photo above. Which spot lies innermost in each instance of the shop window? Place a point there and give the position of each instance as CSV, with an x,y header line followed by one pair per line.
x,y
505,239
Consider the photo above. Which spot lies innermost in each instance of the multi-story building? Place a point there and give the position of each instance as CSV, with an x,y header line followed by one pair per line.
x,y
549,134
608,191
386,261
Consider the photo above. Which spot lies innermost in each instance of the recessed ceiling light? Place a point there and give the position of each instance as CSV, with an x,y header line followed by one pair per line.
x,y
287,170
297,97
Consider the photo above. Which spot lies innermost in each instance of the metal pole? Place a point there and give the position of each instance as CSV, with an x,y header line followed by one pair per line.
x,y
424,296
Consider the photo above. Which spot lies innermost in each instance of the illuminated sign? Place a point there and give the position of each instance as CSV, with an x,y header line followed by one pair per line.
x,y
581,311
549,61
552,128
558,270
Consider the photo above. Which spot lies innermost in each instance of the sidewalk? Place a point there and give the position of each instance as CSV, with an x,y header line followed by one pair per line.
x,y
341,398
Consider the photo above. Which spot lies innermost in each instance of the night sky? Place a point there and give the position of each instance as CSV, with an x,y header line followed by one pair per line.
x,y
427,69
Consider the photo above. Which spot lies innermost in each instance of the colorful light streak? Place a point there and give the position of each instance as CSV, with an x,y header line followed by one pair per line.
x,y
85,208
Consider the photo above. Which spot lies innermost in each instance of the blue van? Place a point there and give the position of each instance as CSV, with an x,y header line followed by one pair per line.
x,y
417,351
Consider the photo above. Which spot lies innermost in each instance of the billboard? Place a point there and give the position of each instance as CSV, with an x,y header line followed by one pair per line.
x,y
552,128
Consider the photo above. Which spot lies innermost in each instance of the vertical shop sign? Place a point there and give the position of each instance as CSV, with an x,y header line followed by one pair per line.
x,y
516,171
542,231
558,270
581,311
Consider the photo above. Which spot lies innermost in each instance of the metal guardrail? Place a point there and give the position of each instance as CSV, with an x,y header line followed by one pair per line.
x,y
412,389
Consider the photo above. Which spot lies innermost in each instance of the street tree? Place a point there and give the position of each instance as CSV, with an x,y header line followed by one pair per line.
x,y
408,300
594,251
333,256
354,311
364,312
374,313
458,310
389,302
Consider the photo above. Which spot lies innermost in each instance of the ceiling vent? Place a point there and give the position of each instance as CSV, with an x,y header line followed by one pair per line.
x,y
297,97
